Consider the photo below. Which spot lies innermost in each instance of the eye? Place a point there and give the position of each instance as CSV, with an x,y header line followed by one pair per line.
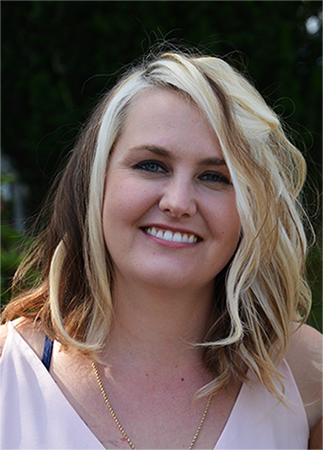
x,y
151,167
214,177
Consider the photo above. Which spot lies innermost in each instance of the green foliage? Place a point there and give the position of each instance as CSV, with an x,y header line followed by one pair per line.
x,y
58,57
11,256
314,270
10,239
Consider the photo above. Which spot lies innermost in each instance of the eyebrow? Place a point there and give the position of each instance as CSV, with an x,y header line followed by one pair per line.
x,y
161,151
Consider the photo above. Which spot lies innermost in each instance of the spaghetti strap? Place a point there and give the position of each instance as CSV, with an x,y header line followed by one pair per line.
x,y
47,353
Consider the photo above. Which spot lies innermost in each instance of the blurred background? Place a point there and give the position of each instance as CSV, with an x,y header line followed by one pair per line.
x,y
58,57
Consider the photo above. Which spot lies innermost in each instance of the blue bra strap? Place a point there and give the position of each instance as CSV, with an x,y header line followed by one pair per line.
x,y
47,353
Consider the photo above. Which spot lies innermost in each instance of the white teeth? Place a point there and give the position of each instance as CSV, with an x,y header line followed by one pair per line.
x,y
177,237
172,237
168,235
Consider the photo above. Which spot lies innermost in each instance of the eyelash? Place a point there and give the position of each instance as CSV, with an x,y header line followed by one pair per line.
x,y
220,178
160,168
144,165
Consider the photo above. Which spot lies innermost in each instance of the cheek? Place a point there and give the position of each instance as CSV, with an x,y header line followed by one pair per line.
x,y
117,206
124,203
233,227
233,221
227,222
224,208
118,211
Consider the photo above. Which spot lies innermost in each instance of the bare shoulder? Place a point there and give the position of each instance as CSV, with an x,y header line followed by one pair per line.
x,y
305,347
305,360
29,331
3,336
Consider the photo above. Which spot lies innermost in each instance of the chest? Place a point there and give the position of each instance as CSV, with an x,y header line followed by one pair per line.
x,y
151,415
157,410
41,417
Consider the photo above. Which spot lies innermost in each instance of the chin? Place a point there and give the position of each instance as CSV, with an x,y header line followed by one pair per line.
x,y
172,281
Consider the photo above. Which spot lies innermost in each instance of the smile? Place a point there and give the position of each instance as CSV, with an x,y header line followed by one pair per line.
x,y
171,236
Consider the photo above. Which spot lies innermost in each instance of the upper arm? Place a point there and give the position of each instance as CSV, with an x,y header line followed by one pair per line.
x,y
3,336
304,357
30,332
316,440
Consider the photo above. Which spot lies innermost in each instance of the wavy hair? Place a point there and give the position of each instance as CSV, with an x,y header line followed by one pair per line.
x,y
260,292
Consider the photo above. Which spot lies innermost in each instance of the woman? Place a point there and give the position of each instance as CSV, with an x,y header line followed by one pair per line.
x,y
171,278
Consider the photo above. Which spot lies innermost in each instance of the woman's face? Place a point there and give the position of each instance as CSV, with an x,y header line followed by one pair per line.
x,y
169,214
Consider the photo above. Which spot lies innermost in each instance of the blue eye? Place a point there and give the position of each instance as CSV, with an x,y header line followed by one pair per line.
x,y
215,177
151,167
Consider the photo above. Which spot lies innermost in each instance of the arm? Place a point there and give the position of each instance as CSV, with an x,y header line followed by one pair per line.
x,y
29,331
305,360
3,336
316,439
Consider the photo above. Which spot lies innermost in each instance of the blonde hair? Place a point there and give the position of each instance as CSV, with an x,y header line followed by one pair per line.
x,y
257,295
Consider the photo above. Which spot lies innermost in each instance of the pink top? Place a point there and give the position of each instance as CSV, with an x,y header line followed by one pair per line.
x,y
36,415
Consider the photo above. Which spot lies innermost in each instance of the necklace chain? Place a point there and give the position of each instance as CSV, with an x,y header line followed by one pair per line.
x,y
104,395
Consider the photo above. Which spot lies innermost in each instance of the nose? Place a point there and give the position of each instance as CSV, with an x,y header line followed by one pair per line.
x,y
178,199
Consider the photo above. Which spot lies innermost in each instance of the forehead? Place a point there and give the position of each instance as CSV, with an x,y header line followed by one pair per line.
x,y
168,118
161,102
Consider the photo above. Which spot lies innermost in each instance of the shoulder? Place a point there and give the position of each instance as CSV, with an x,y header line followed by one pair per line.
x,y
31,332
3,336
304,357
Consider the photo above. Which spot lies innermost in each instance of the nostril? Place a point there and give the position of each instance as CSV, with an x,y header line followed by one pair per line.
x,y
178,205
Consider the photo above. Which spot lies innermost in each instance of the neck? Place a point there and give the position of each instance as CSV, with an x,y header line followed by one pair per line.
x,y
156,326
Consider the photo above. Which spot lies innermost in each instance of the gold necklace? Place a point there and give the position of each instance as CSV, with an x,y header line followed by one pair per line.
x,y
104,395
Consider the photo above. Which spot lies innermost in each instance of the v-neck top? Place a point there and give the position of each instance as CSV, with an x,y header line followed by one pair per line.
x,y
35,414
